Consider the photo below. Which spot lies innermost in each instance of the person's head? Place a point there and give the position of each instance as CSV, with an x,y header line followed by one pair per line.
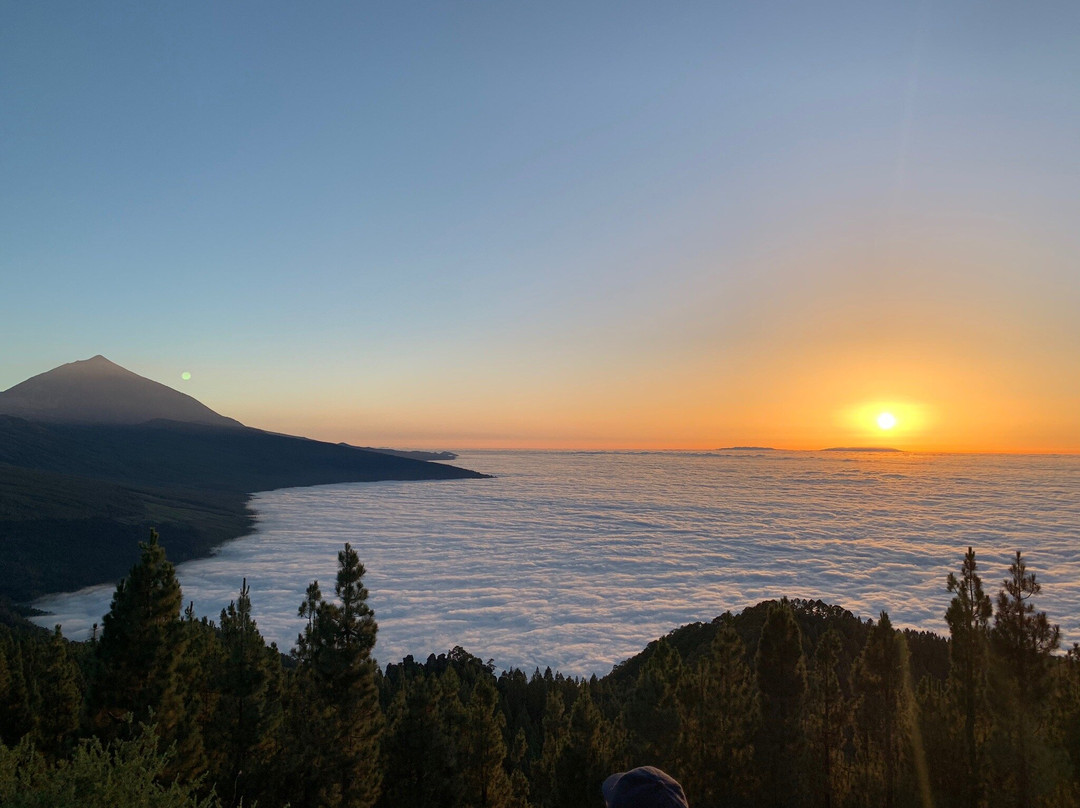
x,y
643,787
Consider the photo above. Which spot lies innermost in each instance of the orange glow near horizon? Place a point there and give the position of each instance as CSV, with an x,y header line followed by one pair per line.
x,y
917,429
806,399
793,364
801,400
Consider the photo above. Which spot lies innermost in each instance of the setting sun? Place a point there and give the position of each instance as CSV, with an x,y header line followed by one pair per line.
x,y
906,423
886,420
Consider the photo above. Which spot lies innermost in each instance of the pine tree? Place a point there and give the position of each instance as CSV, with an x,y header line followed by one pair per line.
x,y
535,705
521,733
718,719
335,654
482,750
827,717
968,617
419,753
246,715
61,699
141,646
882,714
586,756
300,742
941,723
652,711
16,714
1067,713
556,730
202,655
516,763
1023,641
5,695
781,680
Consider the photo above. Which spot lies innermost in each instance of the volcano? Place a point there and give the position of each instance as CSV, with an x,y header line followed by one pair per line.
x,y
97,391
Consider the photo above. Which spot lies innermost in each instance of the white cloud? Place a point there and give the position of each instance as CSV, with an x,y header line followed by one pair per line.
x,y
532,571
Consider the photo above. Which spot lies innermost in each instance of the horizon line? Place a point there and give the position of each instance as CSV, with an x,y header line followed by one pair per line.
x,y
713,450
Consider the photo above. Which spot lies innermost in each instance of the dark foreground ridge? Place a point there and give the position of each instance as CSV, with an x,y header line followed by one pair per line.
x,y
77,494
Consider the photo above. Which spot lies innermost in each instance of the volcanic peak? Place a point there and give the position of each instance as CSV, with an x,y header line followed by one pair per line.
x,y
97,391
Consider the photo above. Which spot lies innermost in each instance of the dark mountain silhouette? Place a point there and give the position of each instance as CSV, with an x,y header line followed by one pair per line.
x,y
92,463
97,391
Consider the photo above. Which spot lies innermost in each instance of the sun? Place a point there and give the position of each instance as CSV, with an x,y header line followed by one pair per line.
x,y
886,420
892,421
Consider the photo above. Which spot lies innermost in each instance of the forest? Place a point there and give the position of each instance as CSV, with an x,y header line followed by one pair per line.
x,y
788,703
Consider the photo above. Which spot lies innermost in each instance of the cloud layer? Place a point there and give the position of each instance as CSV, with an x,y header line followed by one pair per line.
x,y
577,560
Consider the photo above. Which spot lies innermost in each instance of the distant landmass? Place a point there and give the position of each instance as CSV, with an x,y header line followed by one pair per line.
x,y
412,454
746,449
92,456
859,449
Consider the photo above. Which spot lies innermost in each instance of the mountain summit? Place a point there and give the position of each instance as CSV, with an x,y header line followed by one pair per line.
x,y
97,391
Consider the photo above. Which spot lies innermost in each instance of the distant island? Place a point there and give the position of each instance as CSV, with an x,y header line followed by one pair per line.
x,y
92,456
747,449
859,449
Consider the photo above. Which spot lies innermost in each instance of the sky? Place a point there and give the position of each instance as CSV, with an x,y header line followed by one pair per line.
x,y
556,225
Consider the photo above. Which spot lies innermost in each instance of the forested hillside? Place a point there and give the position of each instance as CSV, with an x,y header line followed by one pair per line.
x,y
789,703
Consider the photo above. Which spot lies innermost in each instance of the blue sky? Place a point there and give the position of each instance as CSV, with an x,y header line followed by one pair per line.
x,y
553,224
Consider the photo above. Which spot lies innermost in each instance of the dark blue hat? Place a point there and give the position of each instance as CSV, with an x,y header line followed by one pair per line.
x,y
644,787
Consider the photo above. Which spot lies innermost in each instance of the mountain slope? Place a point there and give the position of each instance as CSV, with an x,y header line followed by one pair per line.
x,y
92,456
75,499
97,391
59,533
167,453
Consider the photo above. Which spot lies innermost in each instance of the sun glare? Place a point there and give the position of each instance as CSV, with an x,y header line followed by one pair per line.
x,y
866,424
886,420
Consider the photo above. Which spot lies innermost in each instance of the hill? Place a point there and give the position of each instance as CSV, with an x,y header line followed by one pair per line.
x,y
692,641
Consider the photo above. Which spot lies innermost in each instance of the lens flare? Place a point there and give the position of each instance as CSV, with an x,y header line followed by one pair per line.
x,y
185,376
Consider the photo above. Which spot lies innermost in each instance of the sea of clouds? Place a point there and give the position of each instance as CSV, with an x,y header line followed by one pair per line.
x,y
577,560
